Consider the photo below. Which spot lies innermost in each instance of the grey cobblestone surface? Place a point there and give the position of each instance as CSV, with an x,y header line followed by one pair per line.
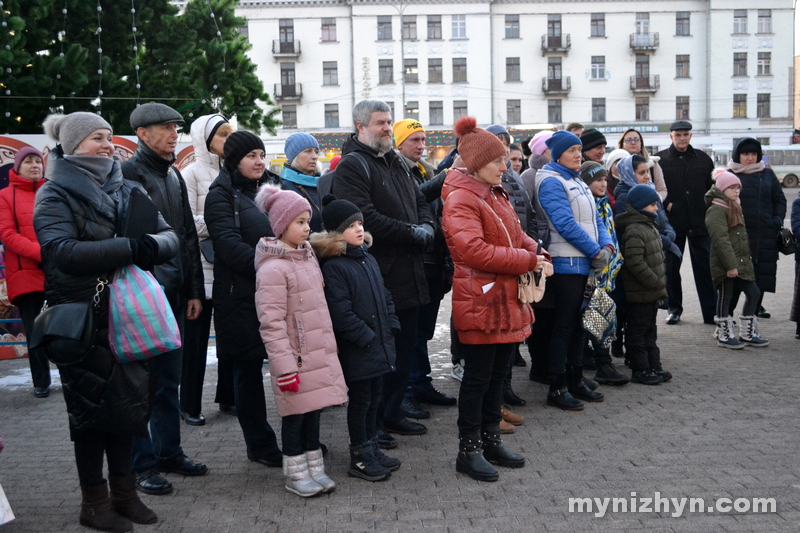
x,y
725,427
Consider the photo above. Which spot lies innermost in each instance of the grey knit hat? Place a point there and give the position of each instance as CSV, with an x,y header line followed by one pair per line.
x,y
154,113
70,130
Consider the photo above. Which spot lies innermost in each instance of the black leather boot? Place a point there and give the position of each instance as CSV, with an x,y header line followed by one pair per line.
x,y
509,396
471,461
559,395
578,388
496,453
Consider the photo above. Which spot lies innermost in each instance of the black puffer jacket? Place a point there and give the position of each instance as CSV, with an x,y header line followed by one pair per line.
x,y
688,178
643,272
764,208
361,308
235,225
182,277
521,202
75,222
391,203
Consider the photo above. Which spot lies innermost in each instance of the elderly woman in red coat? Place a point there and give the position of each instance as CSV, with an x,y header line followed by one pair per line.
x,y
24,275
489,250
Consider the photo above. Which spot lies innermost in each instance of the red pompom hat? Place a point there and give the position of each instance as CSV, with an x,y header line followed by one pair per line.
x,y
477,147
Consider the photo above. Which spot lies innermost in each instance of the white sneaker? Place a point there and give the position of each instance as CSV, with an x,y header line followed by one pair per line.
x,y
458,372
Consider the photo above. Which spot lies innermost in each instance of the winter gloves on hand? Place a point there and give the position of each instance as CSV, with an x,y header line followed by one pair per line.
x,y
289,382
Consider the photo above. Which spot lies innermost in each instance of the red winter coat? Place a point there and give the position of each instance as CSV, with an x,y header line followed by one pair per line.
x,y
482,255
23,253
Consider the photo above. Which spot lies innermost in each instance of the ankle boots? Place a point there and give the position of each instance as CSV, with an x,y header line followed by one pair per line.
x,y
298,477
97,512
559,396
578,388
471,461
316,468
496,453
125,500
364,463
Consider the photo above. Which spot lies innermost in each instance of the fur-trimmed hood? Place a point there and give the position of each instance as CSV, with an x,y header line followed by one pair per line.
x,y
327,245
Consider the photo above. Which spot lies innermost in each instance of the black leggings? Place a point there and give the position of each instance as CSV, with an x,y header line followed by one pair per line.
x,y
300,433
89,450
362,410
731,287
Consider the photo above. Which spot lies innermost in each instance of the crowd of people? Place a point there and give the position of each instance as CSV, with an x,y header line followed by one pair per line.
x,y
336,280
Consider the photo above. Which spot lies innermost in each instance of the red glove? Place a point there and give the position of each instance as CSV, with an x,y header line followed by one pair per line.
x,y
289,382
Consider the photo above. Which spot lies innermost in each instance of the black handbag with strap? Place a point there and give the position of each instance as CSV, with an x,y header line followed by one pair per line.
x,y
786,243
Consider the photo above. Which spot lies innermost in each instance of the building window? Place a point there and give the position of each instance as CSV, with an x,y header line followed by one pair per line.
x,y
286,30
762,105
681,108
513,111
459,109
764,21
512,69
642,108
764,61
410,71
598,67
385,71
739,106
435,70
459,69
682,66
512,26
642,23
434,27
330,73
412,110
739,21
328,30
391,108
331,115
598,28
436,113
289,116
554,25
554,111
459,26
287,79
410,27
384,28
682,20
740,63
245,31
598,109
763,141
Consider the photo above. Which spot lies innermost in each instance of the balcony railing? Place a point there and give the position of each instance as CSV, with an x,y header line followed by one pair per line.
x,y
285,49
556,85
645,84
644,41
288,92
559,43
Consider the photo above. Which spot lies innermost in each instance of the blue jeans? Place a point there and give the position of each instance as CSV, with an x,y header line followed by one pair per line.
x,y
165,421
419,378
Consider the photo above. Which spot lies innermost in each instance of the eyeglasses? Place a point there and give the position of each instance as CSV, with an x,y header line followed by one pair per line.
x,y
633,141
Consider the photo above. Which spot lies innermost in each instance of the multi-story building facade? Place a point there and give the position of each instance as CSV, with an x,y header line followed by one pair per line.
x,y
725,65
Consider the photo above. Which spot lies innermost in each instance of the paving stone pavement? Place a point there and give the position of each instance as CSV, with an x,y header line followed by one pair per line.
x,y
725,427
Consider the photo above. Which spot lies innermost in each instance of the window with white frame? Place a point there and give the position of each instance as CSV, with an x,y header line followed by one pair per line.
x,y
459,26
512,26
682,23
764,63
740,21
598,67
739,106
764,21
410,27
598,25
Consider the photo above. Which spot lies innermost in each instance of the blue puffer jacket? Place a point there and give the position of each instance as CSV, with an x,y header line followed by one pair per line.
x,y
565,213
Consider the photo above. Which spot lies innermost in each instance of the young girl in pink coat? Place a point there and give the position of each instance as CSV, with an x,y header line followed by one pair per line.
x,y
297,332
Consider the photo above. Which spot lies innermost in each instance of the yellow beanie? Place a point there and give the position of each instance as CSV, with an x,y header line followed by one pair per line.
x,y
404,128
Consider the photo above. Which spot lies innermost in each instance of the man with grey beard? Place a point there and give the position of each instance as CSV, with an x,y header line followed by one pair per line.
x,y
377,180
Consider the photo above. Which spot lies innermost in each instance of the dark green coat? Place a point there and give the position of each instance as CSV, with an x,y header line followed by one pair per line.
x,y
729,246
643,272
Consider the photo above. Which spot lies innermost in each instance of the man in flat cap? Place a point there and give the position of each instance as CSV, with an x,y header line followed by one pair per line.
x,y
687,173
156,125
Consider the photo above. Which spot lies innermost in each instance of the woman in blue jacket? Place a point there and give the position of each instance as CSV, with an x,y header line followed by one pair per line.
x,y
577,246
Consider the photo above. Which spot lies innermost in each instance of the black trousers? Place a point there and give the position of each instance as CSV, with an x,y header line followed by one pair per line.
x,y
89,451
364,396
396,382
251,406
641,335
193,369
539,341
29,306
568,339
300,433
700,252
728,296
481,392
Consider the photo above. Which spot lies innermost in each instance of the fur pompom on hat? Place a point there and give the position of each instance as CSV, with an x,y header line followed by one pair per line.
x,y
337,215
239,144
70,130
477,147
724,179
281,207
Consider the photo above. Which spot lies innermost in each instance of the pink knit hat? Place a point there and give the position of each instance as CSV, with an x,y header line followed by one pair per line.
x,y
724,179
282,207
22,153
537,144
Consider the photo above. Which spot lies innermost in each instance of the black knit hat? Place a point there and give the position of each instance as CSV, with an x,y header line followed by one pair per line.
x,y
592,138
239,144
337,215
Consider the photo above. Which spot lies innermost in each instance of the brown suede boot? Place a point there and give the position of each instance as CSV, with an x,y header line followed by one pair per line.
x,y
126,502
96,511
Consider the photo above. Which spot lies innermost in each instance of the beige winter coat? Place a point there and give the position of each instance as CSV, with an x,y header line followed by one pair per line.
x,y
296,327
